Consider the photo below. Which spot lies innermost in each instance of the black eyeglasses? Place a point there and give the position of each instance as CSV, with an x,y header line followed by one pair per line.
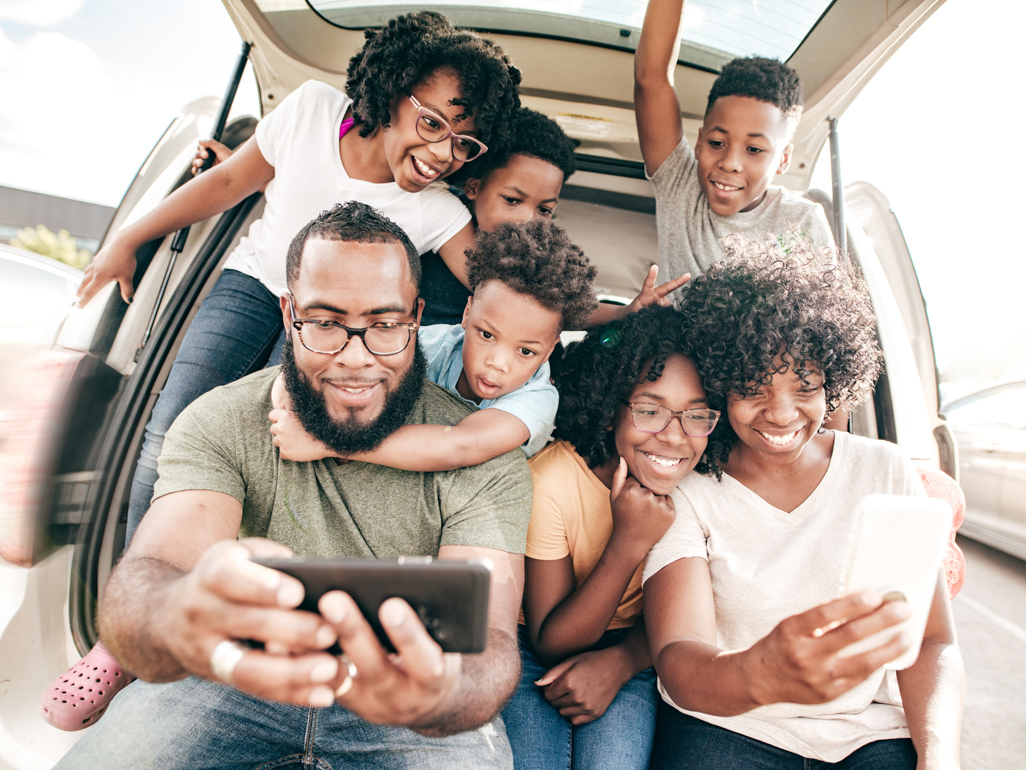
x,y
386,338
653,418
433,128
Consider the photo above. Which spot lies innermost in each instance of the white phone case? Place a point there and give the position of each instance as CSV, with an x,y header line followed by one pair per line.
x,y
897,545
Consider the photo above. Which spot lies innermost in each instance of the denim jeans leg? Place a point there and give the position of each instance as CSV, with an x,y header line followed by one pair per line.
x,y
895,754
539,736
190,724
232,334
621,739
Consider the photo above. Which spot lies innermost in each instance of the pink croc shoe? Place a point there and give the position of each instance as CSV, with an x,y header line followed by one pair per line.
x,y
79,697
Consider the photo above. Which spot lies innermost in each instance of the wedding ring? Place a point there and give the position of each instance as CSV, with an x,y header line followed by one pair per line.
x,y
347,683
225,658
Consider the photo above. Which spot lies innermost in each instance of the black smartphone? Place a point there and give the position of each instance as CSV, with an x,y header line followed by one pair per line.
x,y
451,597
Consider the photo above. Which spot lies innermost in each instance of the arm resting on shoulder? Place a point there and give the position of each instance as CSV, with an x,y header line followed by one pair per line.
x,y
477,438
454,252
933,688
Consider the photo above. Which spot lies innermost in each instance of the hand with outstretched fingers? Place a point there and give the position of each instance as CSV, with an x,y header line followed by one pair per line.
x,y
227,597
411,687
656,295
799,660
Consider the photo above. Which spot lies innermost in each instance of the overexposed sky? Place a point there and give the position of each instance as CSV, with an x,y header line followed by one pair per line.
x,y
88,86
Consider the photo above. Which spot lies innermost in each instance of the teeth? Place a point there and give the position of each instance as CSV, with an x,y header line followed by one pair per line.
x,y
425,169
725,187
778,440
355,390
665,462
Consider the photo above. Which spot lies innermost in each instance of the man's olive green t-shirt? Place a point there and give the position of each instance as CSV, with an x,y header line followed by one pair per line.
x,y
327,508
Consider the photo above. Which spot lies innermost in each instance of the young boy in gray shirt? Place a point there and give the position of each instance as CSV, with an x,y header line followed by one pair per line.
x,y
722,185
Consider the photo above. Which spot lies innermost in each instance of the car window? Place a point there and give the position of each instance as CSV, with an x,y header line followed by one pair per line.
x,y
1001,410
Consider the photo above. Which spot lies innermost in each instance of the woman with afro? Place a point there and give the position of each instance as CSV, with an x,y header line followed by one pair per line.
x,y
749,675
631,423
422,99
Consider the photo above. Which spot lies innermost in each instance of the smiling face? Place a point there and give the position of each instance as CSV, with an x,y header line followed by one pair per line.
x,y
526,188
414,162
742,145
355,284
508,336
660,460
775,424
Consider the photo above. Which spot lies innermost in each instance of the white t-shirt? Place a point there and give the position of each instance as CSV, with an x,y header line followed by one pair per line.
x,y
767,565
690,233
300,139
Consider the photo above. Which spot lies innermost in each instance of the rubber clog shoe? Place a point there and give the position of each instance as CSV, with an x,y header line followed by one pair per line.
x,y
79,697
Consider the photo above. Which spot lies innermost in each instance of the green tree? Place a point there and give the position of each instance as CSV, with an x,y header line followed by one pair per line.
x,y
60,246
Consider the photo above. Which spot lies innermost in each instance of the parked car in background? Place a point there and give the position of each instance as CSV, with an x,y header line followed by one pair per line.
x,y
989,426
36,293
63,515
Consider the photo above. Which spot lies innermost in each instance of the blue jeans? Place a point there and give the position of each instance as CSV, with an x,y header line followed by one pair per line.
x,y
196,723
237,330
620,739
686,743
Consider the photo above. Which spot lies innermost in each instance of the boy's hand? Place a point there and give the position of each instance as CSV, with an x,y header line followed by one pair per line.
x,y
289,434
206,146
656,295
582,686
640,516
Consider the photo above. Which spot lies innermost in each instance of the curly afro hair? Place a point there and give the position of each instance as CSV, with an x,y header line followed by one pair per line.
x,y
534,135
779,299
767,80
409,50
537,259
598,373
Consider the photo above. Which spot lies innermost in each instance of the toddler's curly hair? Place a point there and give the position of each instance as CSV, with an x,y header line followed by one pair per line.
x,y
764,304
537,259
598,373
411,48
767,80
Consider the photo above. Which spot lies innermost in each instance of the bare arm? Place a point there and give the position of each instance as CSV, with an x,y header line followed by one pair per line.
x,y
432,692
477,438
185,585
454,252
564,619
797,662
650,295
656,107
210,193
933,688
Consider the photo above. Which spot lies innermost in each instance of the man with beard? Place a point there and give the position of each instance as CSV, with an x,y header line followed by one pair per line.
x,y
186,591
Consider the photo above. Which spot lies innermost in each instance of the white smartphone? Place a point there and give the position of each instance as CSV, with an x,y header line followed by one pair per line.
x,y
896,548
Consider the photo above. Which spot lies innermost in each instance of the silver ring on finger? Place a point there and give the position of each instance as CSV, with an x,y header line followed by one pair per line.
x,y
347,683
225,658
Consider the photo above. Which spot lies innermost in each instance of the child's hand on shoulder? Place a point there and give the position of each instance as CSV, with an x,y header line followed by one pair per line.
x,y
289,434
640,516
656,295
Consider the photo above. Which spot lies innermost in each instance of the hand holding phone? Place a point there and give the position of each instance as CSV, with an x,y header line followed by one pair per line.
x,y
449,597
897,544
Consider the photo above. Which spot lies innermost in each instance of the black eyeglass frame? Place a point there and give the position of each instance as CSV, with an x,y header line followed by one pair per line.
x,y
297,324
679,415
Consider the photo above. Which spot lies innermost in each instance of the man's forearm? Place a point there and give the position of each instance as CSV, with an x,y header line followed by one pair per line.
x,y
486,682
133,606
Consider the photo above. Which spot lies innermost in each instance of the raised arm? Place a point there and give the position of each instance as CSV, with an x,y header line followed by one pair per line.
x,y
933,688
562,618
650,295
797,662
656,107
210,193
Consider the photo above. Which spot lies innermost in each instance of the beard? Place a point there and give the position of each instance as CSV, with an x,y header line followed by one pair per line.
x,y
347,435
